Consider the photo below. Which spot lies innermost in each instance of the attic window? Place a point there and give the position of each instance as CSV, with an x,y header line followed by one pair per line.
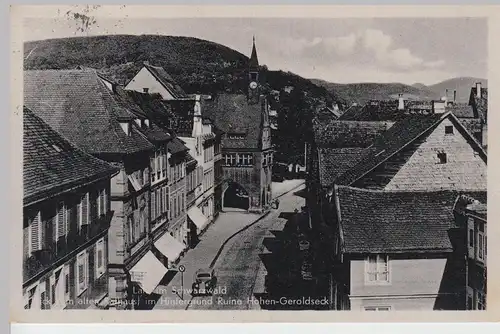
x,y
57,148
145,90
125,127
236,135
448,130
442,157
146,122
138,121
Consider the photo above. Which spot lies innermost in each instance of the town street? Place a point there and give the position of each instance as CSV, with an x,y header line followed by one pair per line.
x,y
173,292
238,267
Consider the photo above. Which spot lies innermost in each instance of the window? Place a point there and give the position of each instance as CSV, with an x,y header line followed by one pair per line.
x,y
480,242
153,205
442,157
377,269
448,129
480,300
145,90
158,203
101,207
83,212
60,221
66,283
471,238
100,268
125,127
82,268
377,308
35,233
53,293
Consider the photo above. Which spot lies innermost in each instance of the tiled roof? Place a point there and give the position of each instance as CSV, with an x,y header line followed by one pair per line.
x,y
395,222
352,113
389,143
51,164
400,135
190,160
176,146
461,110
232,113
146,106
386,111
166,81
78,105
334,162
348,133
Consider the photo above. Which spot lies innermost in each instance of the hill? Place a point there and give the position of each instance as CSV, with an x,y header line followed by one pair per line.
x,y
461,84
197,65
362,92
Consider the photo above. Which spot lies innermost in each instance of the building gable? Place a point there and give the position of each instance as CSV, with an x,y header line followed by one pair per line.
x,y
145,79
445,158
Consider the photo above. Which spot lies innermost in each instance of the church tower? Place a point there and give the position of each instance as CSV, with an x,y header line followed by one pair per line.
x,y
253,77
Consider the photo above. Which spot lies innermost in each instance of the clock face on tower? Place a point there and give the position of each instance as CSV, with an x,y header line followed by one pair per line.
x,y
253,85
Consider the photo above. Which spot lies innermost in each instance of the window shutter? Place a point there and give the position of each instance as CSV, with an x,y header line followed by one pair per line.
x,y
153,205
158,202
60,220
68,217
35,233
104,201
85,209
161,200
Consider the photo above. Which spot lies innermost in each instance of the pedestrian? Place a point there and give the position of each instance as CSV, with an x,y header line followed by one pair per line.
x,y
277,203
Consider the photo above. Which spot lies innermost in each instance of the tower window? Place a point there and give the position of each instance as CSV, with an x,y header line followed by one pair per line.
x,y
253,76
442,157
448,130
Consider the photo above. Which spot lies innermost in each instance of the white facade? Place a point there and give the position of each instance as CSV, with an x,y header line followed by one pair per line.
x,y
145,80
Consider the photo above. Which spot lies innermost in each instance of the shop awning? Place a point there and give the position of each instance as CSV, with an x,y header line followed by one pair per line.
x,y
148,272
170,247
197,217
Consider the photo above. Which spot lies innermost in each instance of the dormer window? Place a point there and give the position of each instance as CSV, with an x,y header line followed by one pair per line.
x,y
138,121
57,148
236,135
125,127
146,122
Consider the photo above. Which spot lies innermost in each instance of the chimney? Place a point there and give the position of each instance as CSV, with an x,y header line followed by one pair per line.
x,y
454,96
478,89
401,104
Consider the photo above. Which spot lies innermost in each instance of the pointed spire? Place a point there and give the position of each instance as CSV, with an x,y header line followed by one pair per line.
x,y
254,61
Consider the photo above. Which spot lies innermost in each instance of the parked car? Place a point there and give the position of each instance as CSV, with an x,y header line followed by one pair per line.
x,y
204,282
306,271
304,245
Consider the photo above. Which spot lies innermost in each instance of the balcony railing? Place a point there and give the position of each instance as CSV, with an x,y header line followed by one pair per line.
x,y
55,253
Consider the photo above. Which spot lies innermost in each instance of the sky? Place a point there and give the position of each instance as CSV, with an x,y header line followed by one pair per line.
x,y
342,50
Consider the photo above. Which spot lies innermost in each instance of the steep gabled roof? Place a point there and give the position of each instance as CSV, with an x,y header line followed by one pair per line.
x,y
333,162
461,110
51,164
341,134
79,106
166,81
374,222
399,136
232,114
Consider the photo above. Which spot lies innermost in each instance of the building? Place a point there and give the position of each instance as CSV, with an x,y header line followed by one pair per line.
x,y
155,80
168,224
469,239
336,147
79,105
247,152
422,153
393,251
67,214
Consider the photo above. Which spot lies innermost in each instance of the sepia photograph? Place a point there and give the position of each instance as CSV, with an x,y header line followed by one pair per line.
x,y
253,163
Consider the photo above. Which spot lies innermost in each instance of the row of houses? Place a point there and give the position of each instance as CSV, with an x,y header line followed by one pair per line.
x,y
121,180
397,205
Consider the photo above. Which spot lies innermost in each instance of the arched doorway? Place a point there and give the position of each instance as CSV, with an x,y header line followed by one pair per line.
x,y
235,197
